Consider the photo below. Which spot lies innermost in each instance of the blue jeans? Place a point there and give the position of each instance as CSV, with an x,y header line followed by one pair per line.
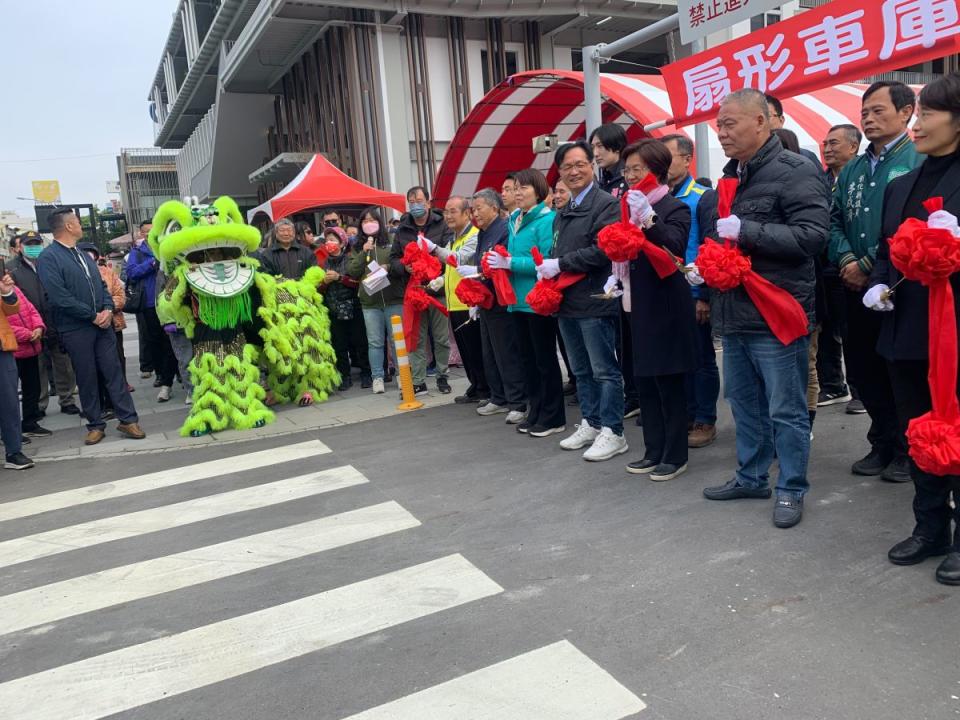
x,y
592,349
377,322
703,384
766,385
9,405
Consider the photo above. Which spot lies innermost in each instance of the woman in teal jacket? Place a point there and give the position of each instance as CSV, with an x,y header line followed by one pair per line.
x,y
531,224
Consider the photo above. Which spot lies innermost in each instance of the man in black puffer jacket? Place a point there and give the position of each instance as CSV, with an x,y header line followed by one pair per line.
x,y
780,220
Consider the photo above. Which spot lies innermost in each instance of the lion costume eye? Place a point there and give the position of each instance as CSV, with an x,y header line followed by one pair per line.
x,y
172,227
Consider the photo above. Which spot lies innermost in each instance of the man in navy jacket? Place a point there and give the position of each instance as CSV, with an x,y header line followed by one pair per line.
x,y
82,312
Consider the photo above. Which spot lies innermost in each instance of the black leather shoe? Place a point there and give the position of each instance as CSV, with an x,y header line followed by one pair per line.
x,y
642,467
949,571
898,471
732,491
788,510
465,400
874,463
915,550
69,409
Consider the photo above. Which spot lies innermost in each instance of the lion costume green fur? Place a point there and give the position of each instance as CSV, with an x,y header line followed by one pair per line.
x,y
251,332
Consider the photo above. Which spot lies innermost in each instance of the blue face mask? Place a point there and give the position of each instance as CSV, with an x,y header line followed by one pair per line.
x,y
32,251
418,210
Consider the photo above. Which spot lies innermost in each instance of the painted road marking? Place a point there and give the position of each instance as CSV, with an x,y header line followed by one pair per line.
x,y
127,678
161,479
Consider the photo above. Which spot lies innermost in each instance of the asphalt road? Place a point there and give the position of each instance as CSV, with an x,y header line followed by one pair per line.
x,y
480,571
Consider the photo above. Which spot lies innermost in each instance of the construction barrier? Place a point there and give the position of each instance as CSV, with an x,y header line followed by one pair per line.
x,y
409,398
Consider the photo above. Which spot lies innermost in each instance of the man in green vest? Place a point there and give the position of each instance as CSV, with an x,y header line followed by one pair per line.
x,y
854,237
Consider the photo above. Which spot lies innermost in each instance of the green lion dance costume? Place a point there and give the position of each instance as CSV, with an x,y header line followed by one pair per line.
x,y
244,324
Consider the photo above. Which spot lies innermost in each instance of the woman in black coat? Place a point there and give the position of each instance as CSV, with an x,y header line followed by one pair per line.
x,y
662,317
903,334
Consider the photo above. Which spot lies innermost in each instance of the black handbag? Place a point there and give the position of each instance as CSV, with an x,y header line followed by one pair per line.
x,y
135,300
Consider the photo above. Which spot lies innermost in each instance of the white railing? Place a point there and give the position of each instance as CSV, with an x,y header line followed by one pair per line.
x,y
196,152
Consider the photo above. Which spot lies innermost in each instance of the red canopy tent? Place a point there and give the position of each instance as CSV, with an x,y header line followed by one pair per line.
x,y
321,184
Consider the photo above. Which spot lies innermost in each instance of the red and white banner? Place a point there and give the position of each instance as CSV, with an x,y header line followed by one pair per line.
x,y
835,43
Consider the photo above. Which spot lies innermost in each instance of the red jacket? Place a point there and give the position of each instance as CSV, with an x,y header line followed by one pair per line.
x,y
23,323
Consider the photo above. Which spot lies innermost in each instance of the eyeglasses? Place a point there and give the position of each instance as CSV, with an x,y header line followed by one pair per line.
x,y
575,166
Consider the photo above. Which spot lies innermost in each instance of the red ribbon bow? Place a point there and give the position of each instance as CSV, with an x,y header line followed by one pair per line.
x,y
623,241
930,256
424,267
724,267
499,277
547,293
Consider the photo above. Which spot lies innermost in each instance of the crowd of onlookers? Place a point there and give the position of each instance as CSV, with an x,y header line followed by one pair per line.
x,y
632,343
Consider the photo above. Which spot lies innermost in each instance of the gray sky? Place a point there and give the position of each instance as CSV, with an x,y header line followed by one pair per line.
x,y
75,79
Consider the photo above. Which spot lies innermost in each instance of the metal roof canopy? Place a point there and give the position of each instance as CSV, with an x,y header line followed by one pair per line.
x,y
283,168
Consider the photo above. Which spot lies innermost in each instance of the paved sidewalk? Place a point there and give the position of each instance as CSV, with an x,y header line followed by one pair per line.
x,y
162,421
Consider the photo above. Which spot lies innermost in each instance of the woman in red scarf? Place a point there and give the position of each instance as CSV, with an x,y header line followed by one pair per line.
x,y
662,317
904,337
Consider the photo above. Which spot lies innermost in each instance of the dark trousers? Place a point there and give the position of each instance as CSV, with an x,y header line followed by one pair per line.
x,y
146,362
158,343
29,371
501,359
625,355
349,340
663,407
536,336
931,499
868,372
91,350
832,330
703,384
104,395
470,345
10,431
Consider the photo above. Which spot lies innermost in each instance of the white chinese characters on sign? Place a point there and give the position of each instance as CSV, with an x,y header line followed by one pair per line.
x,y
914,23
834,43
765,68
707,85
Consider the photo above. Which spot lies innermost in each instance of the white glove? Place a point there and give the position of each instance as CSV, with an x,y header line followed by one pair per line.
x,y
496,261
466,270
875,299
640,208
473,312
550,268
941,219
436,284
693,276
728,228
611,287
427,243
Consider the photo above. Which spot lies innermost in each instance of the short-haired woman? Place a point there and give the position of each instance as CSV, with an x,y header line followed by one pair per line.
x,y
663,319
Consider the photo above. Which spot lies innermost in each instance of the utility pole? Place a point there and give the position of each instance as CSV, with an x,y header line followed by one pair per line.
x,y
596,55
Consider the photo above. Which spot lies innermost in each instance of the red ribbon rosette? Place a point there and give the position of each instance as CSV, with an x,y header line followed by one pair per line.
x,y
623,241
930,256
474,293
501,282
547,294
423,268
724,267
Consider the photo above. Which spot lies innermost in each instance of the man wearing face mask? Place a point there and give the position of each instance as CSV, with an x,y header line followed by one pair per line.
x,y
422,219
23,270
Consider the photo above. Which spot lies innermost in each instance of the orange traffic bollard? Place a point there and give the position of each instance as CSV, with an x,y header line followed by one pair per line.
x,y
410,401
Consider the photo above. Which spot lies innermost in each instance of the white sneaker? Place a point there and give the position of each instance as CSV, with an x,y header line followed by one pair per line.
x,y
515,417
164,393
378,386
606,446
583,436
188,400
491,409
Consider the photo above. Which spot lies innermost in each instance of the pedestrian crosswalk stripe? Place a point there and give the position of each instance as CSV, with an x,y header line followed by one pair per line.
x,y
118,527
50,603
133,676
161,479
556,682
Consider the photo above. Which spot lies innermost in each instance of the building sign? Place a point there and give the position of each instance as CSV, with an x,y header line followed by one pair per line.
x,y
113,187
836,43
46,191
699,18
